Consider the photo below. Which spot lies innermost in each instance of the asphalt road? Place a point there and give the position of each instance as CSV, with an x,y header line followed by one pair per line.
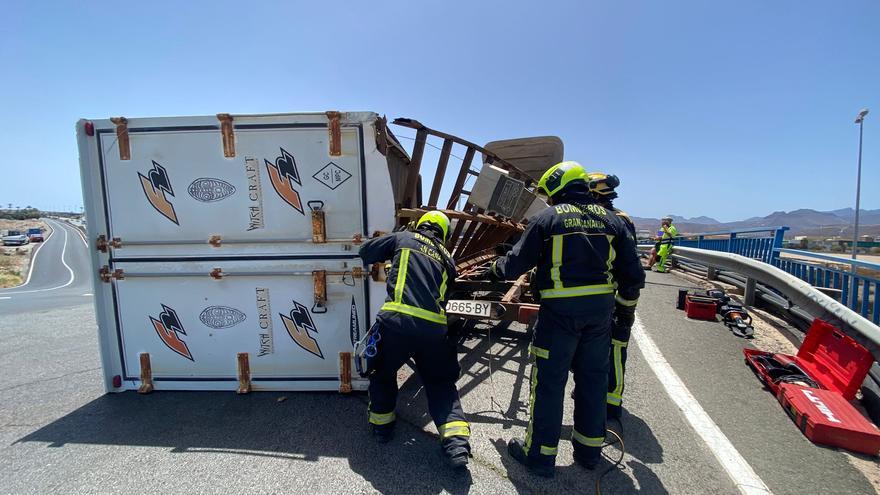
x,y
59,432
58,276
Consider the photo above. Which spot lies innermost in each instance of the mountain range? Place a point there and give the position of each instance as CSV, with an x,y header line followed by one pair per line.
x,y
801,222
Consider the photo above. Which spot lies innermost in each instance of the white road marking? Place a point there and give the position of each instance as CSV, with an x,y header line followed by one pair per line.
x,y
72,275
34,257
88,294
5,297
739,470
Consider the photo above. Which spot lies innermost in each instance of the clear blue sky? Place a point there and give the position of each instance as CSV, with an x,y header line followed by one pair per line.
x,y
728,109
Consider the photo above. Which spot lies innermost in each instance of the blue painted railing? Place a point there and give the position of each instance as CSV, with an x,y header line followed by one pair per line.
x,y
859,284
759,243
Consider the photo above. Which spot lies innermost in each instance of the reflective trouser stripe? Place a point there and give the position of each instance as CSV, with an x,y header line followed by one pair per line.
x,y
585,440
443,287
546,450
625,302
614,397
556,259
382,418
401,275
611,256
455,429
416,312
539,351
532,388
583,290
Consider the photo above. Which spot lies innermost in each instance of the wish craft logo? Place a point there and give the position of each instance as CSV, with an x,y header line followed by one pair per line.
x,y
169,328
283,174
157,188
300,327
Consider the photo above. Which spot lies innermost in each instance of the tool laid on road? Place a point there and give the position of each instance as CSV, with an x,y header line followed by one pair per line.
x,y
815,387
705,304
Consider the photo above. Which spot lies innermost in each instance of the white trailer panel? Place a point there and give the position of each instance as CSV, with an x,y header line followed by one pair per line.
x,y
179,199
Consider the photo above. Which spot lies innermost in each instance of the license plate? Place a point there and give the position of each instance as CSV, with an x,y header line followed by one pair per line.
x,y
470,308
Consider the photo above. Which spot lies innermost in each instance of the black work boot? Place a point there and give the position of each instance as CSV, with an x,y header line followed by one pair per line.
x,y
457,456
383,433
587,457
516,448
613,412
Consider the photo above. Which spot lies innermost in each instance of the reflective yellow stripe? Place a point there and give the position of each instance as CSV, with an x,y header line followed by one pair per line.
x,y
401,275
556,259
495,269
442,288
611,256
588,441
539,351
625,302
617,347
621,343
548,450
583,290
613,399
532,388
456,432
416,312
382,418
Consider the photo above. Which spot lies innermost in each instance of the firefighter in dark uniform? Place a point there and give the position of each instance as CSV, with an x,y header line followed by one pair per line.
x,y
583,252
412,324
602,190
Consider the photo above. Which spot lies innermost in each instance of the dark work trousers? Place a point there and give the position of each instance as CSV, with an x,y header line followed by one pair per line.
x,y
619,343
562,342
437,366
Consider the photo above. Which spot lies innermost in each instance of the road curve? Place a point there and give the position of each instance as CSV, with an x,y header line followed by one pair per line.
x,y
58,277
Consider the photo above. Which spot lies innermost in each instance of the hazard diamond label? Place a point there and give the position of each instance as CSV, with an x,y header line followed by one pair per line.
x,y
332,175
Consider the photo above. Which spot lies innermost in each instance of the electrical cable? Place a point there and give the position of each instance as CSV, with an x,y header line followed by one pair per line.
x,y
616,463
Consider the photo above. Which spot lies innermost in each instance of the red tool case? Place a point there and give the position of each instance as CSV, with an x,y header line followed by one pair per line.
x,y
833,360
826,418
837,365
700,308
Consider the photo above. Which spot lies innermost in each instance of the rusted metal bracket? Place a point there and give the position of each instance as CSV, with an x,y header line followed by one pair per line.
x,y
102,245
335,130
244,373
319,280
146,374
344,372
357,238
227,133
106,275
122,141
216,274
215,240
319,226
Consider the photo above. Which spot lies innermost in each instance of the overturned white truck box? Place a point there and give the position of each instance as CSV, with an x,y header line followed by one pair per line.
x,y
225,248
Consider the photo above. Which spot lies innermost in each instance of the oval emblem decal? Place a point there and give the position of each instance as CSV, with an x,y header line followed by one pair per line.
x,y
221,317
208,190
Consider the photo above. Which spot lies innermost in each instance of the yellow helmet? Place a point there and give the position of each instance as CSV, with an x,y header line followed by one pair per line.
x,y
560,176
602,184
436,218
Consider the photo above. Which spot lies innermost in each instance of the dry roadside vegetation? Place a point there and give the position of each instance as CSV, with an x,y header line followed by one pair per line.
x,y
15,260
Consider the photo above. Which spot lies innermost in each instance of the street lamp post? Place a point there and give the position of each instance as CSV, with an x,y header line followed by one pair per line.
x,y
860,119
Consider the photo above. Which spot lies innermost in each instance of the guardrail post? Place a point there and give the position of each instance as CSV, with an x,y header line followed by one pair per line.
x,y
731,244
711,273
700,241
749,295
777,244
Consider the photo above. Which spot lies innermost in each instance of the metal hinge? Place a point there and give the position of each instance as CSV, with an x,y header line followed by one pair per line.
x,y
319,226
122,140
319,280
106,275
335,130
216,273
227,134
102,245
215,241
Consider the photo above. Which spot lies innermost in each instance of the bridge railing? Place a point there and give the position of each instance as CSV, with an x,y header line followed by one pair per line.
x,y
758,243
858,285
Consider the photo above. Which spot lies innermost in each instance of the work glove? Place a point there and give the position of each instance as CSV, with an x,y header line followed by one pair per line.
x,y
624,316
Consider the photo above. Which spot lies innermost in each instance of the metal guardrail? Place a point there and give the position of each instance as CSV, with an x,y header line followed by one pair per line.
x,y
797,291
758,243
858,291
